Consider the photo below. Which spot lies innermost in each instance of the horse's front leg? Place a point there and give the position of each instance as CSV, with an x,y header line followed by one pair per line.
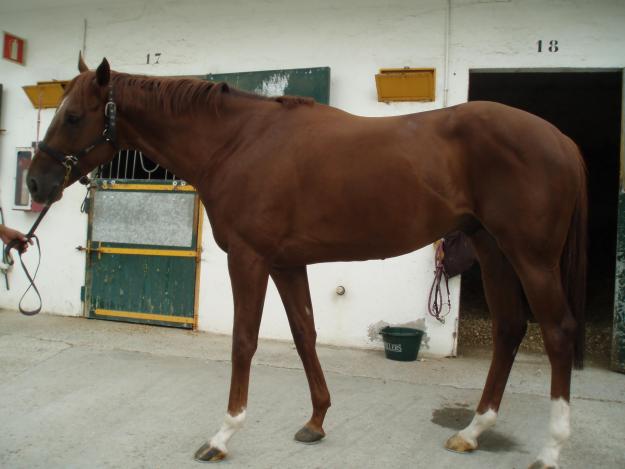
x,y
248,275
292,284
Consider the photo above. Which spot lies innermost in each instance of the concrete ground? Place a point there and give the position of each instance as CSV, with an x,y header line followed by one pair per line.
x,y
77,393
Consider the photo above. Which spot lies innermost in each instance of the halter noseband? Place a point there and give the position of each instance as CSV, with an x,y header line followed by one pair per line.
x,y
109,135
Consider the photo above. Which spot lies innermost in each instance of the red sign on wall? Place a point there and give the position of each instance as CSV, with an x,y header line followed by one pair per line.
x,y
13,49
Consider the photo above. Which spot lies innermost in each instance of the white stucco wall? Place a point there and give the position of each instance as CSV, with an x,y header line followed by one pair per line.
x,y
354,38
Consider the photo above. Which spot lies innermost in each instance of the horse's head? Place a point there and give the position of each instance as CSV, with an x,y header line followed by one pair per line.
x,y
81,135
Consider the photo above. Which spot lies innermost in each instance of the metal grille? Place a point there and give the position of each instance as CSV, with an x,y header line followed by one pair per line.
x,y
132,164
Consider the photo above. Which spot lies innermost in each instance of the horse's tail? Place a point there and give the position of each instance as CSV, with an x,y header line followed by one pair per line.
x,y
573,265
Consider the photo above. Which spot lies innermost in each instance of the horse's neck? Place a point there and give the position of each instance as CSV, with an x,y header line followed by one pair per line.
x,y
188,145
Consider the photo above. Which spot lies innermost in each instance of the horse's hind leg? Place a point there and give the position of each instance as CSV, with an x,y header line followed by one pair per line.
x,y
292,284
547,299
249,275
509,318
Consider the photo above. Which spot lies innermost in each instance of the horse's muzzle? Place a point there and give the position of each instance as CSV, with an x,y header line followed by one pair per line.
x,y
43,192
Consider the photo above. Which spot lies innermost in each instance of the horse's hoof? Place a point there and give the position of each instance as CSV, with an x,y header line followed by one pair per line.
x,y
541,465
208,454
309,436
458,444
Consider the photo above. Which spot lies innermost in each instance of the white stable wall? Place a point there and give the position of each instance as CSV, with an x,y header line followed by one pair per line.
x,y
354,38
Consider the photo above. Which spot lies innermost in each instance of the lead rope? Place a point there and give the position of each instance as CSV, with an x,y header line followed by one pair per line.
x,y
435,299
17,244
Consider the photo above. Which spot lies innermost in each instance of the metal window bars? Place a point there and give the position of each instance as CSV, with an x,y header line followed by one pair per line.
x,y
132,164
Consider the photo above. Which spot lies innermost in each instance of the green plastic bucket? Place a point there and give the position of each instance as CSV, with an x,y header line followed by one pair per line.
x,y
401,343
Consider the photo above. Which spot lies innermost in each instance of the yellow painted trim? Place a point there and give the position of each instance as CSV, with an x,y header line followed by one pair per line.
x,y
145,252
146,316
148,187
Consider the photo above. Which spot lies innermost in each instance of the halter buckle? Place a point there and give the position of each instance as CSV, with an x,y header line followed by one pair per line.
x,y
70,160
110,109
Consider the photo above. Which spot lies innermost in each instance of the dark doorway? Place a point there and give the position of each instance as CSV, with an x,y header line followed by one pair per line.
x,y
587,107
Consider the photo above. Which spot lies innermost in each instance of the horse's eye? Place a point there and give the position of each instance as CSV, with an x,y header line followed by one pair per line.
x,y
72,119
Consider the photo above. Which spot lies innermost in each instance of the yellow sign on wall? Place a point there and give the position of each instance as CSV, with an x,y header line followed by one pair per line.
x,y
46,94
406,84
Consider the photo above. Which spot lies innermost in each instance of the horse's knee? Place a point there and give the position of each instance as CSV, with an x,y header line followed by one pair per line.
x,y
302,335
243,349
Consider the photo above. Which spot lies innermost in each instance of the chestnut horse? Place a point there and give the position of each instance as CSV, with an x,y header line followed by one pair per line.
x,y
287,182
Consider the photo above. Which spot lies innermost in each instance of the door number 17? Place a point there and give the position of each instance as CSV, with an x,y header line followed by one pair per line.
x,y
153,58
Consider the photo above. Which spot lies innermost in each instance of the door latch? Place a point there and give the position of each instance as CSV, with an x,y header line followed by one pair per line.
x,y
89,250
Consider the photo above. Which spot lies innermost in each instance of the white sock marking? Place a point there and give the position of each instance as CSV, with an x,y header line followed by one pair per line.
x,y
478,425
228,428
559,432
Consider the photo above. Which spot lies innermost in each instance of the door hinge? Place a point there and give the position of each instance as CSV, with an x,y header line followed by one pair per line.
x,y
82,293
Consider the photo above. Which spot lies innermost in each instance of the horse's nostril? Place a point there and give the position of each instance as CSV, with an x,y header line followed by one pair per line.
x,y
32,185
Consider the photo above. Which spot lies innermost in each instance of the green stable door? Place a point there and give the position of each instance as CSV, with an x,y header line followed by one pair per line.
x,y
143,253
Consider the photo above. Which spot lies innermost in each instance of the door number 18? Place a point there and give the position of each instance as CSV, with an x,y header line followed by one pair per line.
x,y
551,46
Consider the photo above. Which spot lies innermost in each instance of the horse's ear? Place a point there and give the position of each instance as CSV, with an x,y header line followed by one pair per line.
x,y
82,66
103,73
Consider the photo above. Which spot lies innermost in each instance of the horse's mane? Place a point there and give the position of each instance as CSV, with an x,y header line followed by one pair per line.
x,y
175,95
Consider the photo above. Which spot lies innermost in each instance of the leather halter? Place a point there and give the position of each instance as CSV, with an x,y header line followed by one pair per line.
x,y
109,135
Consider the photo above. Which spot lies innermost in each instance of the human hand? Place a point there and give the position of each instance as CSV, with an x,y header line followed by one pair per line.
x,y
9,235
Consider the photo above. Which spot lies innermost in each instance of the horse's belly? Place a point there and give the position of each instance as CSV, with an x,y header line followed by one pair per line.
x,y
357,241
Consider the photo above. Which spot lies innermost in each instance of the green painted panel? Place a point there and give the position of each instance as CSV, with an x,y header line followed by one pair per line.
x,y
143,284
311,82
